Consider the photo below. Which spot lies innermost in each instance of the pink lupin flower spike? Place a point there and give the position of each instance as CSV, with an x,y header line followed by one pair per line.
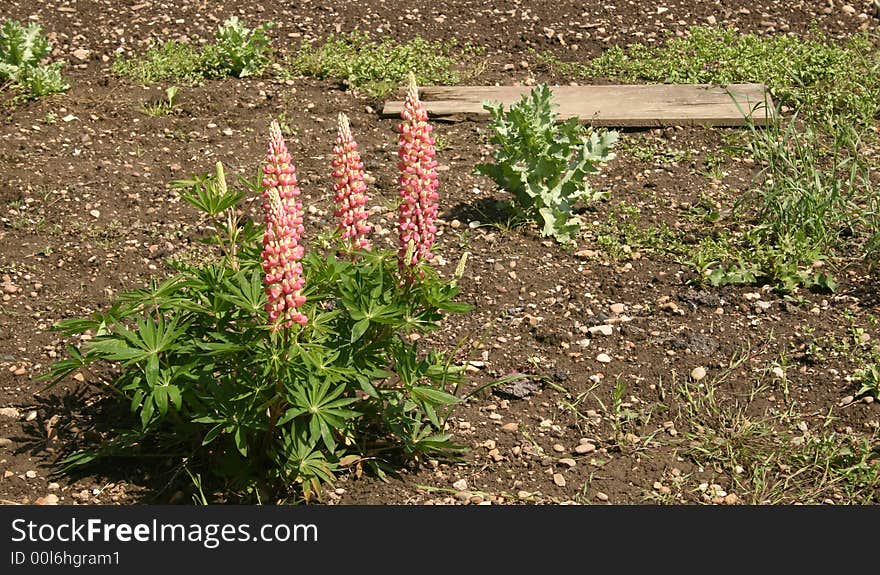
x,y
350,189
417,184
282,252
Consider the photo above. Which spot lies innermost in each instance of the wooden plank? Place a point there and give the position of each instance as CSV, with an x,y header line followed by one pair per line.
x,y
645,105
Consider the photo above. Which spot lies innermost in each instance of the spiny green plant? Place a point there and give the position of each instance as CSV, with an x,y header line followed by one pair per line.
x,y
379,66
545,163
22,49
238,50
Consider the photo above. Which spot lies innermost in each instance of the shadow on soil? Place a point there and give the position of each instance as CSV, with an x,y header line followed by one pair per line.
x,y
71,421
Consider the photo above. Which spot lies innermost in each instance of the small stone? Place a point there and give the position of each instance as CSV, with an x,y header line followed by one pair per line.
x,y
9,288
698,373
7,474
846,400
10,412
53,486
30,474
512,427
601,496
50,499
31,416
558,448
463,496
558,479
711,21
227,131
778,372
617,308
601,329
461,485
5,442
95,214
81,54
603,358
20,371
584,448
868,399
731,499
568,462
455,224
847,9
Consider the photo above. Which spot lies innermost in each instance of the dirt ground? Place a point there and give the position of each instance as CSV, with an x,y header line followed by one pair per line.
x,y
651,390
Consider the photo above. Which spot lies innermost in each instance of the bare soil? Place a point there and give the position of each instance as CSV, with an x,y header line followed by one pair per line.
x,y
87,211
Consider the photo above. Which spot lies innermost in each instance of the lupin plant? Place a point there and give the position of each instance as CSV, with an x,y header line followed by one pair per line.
x,y
417,184
282,251
350,189
276,365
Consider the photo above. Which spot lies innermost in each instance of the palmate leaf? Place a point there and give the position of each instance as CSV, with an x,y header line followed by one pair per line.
x,y
304,463
245,291
322,407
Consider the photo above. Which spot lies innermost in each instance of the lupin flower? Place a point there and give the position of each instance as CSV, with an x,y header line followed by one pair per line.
x,y
350,198
282,252
418,183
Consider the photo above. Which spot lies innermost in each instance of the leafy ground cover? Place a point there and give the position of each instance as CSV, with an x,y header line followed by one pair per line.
x,y
710,337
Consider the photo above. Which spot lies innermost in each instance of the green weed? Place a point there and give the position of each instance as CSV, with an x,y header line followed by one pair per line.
x,y
378,67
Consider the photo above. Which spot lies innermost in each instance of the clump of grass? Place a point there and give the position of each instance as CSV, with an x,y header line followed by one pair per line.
x,y
237,51
169,61
377,67
824,79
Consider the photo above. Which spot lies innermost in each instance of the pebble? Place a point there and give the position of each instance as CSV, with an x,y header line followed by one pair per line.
x,y
584,448
558,479
601,329
53,486
568,462
463,496
30,474
778,372
601,496
7,474
81,54
698,373
31,416
95,214
461,485
731,499
558,448
847,9
5,442
846,400
50,499
455,224
510,427
20,371
10,412
603,358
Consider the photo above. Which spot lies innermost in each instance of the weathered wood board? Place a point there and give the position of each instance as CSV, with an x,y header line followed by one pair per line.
x,y
644,105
